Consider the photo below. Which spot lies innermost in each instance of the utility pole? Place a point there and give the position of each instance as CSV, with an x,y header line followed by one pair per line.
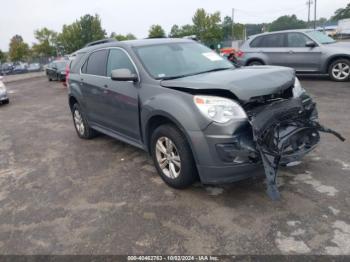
x,y
233,17
315,14
309,3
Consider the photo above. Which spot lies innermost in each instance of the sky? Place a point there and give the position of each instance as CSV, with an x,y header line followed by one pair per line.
x,y
136,16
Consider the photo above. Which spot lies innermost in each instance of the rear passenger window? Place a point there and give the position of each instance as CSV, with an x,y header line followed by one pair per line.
x,y
96,64
273,40
118,59
297,40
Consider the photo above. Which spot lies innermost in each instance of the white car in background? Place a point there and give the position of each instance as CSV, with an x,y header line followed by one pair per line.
x,y
4,99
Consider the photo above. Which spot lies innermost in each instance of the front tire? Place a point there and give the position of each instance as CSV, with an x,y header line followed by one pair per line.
x,y
82,127
339,70
173,157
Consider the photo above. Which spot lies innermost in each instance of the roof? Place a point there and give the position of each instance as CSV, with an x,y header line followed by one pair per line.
x,y
131,43
285,31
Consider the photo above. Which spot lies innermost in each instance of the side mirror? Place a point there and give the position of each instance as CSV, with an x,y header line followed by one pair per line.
x,y
123,74
311,44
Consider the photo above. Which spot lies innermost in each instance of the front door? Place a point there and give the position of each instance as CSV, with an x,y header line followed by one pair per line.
x,y
301,57
121,97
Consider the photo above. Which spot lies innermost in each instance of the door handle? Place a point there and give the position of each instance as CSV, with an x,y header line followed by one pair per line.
x,y
105,86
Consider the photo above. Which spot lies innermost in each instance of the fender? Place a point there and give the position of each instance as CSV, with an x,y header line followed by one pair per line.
x,y
329,59
179,109
74,91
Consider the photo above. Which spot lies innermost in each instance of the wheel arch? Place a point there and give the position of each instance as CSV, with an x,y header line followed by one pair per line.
x,y
72,100
159,118
255,59
333,58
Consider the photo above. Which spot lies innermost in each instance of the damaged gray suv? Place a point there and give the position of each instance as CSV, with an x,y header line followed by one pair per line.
x,y
197,115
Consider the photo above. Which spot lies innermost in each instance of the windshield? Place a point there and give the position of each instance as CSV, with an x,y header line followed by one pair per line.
x,y
174,60
61,65
320,37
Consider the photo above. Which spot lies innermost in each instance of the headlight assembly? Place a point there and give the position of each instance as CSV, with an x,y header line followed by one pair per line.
x,y
219,109
297,90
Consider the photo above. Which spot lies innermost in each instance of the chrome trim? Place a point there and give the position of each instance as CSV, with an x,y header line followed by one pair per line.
x,y
109,48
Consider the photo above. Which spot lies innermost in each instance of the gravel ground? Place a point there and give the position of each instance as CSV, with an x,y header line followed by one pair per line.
x,y
63,195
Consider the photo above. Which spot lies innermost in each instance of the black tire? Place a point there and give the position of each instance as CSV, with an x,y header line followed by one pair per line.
x,y
334,65
86,132
255,63
50,79
7,101
188,172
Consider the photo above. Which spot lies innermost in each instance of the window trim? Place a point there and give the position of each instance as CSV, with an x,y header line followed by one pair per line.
x,y
108,49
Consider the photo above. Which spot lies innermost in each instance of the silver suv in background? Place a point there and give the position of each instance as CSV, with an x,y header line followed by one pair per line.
x,y
307,51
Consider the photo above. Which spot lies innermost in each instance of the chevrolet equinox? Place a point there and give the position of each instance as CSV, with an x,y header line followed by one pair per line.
x,y
197,115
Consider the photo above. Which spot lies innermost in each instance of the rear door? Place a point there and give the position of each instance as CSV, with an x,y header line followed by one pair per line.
x,y
121,97
272,47
301,57
93,80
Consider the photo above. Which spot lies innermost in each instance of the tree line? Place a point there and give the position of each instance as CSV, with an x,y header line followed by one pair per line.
x,y
209,28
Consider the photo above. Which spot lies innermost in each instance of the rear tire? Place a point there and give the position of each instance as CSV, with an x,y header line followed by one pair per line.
x,y
339,70
173,157
255,63
82,127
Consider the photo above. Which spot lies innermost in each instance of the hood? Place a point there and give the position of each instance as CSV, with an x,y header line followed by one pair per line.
x,y
339,45
244,83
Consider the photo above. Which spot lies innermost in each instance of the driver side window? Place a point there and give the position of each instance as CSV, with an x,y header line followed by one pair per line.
x,y
118,59
297,40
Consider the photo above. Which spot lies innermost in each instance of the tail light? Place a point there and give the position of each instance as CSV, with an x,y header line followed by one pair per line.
x,y
67,74
239,53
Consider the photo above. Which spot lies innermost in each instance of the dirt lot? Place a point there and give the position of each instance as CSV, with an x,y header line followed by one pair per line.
x,y
63,195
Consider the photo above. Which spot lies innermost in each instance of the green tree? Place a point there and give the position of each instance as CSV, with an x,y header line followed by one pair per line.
x,y
186,30
238,29
47,42
175,31
287,22
19,50
156,31
253,29
3,57
342,13
121,37
207,27
76,35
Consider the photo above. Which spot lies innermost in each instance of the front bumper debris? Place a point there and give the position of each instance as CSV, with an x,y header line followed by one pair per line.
x,y
284,131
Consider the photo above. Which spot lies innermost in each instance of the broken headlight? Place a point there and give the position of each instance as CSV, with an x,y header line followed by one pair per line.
x,y
297,90
219,109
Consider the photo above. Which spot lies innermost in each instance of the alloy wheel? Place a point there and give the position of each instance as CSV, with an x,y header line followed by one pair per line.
x,y
168,157
79,123
341,71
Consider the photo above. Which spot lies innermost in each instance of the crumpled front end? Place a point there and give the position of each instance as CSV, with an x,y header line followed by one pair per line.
x,y
284,131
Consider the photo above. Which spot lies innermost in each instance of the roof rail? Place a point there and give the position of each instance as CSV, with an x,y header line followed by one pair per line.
x,y
102,41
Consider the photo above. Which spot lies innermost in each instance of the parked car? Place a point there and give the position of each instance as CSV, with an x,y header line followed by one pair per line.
x,y
307,51
196,114
4,99
57,70
20,68
6,69
34,67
